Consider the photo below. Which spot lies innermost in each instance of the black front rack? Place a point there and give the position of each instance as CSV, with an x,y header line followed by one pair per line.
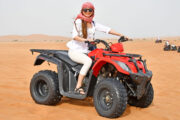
x,y
126,55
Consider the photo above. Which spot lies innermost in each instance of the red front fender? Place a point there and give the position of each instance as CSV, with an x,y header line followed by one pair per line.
x,y
100,62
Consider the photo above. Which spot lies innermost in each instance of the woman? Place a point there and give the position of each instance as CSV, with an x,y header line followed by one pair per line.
x,y
84,30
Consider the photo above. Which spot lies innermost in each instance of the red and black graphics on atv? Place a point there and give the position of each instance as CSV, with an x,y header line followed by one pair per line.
x,y
113,55
102,57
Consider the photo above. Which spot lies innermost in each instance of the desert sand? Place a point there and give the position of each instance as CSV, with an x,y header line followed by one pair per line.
x,y
16,68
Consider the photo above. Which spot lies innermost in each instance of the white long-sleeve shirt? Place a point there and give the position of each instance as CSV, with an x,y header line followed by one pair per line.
x,y
77,31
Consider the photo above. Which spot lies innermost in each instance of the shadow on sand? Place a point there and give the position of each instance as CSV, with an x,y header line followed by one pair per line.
x,y
89,103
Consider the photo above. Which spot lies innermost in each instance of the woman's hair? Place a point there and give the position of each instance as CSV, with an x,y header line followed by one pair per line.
x,y
84,29
84,25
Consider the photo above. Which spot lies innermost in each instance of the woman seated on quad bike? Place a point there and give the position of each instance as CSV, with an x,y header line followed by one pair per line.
x,y
84,30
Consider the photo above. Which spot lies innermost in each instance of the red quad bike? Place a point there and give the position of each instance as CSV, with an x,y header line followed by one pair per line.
x,y
114,79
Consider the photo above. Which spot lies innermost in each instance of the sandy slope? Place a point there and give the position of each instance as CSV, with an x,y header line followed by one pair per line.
x,y
16,68
32,38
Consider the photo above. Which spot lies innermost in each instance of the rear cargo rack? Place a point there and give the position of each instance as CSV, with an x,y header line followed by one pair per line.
x,y
45,51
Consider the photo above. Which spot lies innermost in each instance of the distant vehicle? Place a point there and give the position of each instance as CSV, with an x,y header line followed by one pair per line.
x,y
178,49
167,46
173,47
158,41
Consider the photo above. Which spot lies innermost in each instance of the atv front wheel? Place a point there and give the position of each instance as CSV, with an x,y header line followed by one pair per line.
x,y
44,88
145,101
110,98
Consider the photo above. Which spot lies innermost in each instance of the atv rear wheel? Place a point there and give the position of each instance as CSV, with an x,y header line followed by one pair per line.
x,y
44,88
145,101
110,98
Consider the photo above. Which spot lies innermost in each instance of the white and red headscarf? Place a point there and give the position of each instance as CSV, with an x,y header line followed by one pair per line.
x,y
82,17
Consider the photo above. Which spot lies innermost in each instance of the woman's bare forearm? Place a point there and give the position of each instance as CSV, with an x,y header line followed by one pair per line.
x,y
115,33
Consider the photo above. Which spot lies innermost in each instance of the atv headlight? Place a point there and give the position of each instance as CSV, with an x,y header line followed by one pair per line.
x,y
123,65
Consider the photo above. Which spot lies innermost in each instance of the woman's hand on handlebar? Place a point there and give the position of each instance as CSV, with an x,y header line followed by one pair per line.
x,y
123,39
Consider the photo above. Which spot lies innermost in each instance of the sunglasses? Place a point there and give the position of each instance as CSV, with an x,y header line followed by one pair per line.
x,y
86,10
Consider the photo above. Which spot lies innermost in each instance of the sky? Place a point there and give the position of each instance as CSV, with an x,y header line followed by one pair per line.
x,y
133,18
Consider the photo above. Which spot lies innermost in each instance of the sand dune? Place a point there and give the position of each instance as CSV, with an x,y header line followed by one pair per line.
x,y
16,68
32,38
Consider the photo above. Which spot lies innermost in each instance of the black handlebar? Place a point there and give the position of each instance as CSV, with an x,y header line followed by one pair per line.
x,y
97,41
121,39
104,42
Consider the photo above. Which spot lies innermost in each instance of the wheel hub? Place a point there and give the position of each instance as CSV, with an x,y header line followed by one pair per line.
x,y
45,88
108,98
42,88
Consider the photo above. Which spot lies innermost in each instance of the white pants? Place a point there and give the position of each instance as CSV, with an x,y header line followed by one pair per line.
x,y
81,58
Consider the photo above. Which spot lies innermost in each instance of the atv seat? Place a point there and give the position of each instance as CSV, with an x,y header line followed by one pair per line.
x,y
63,55
59,54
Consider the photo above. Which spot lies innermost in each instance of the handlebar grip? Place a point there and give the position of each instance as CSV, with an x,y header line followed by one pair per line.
x,y
122,39
97,40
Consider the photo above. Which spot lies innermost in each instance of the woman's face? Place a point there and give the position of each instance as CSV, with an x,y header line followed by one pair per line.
x,y
88,12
